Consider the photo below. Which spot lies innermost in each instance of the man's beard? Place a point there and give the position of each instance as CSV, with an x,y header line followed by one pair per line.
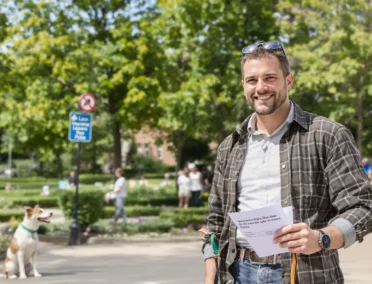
x,y
279,99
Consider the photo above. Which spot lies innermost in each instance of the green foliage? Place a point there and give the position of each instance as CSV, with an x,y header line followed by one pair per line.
x,y
203,41
185,217
4,243
55,52
55,229
148,164
42,201
133,211
330,48
7,215
90,205
153,226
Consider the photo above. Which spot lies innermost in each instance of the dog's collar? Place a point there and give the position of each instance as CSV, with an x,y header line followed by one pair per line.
x,y
33,232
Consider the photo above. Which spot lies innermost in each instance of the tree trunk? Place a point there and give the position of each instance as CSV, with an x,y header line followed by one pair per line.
x,y
360,122
179,142
117,145
59,165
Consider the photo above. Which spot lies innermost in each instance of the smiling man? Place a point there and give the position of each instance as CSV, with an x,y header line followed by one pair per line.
x,y
284,155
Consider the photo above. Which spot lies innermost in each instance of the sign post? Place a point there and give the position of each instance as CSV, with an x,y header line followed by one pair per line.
x,y
80,130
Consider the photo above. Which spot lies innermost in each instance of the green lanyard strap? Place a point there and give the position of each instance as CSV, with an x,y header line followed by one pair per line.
x,y
30,231
214,243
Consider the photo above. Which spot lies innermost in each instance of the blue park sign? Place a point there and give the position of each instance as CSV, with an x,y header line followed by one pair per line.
x,y
80,127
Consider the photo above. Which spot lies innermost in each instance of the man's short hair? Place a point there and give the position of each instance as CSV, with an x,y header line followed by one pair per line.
x,y
119,171
261,52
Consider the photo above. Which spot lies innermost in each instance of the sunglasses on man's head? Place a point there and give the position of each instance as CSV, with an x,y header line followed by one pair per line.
x,y
269,45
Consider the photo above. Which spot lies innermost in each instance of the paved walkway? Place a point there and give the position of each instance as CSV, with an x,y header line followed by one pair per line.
x,y
157,263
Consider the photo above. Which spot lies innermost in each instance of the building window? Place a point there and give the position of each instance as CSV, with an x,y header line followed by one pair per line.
x,y
139,149
146,152
160,153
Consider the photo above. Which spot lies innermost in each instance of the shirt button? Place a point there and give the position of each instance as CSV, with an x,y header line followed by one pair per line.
x,y
233,250
283,166
237,173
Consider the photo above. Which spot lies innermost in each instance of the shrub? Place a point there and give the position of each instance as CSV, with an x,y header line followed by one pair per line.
x,y
6,215
153,226
135,211
4,243
90,205
43,201
185,217
149,164
55,229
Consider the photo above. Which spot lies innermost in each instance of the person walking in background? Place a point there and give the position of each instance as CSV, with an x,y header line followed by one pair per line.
x,y
196,185
72,181
184,188
207,178
120,195
283,155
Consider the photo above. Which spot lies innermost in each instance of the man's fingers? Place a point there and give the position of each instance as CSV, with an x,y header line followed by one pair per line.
x,y
293,244
292,236
289,229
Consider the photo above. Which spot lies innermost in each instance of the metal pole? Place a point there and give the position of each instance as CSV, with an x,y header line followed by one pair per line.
x,y
75,229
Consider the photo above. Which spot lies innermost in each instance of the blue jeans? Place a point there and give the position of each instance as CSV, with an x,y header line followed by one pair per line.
x,y
245,272
119,204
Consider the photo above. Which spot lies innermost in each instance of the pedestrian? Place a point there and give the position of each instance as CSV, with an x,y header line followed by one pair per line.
x,y
184,189
196,185
72,180
120,195
283,155
207,179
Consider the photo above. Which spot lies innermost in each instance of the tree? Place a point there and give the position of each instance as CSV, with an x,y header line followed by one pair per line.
x,y
203,42
330,50
59,50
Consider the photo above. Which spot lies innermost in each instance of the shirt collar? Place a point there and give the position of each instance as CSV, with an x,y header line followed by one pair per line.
x,y
301,117
253,119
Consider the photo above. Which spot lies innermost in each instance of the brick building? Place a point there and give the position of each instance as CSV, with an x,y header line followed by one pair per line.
x,y
152,143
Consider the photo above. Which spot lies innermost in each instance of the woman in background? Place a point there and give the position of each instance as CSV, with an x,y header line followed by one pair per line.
x,y
184,188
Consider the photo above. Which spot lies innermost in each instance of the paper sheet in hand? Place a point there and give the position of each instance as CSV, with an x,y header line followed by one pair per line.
x,y
258,226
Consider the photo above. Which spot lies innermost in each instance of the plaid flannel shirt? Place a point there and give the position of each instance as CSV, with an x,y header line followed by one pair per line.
x,y
321,177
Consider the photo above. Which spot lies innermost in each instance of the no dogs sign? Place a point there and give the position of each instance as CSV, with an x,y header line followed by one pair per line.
x,y
87,102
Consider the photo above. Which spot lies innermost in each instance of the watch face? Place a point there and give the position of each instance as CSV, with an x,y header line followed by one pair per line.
x,y
326,241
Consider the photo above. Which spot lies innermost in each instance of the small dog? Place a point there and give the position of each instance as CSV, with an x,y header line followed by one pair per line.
x,y
22,251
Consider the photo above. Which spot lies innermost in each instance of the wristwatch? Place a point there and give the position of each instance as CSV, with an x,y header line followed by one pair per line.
x,y
324,240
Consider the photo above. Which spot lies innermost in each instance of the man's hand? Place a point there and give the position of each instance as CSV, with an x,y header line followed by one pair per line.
x,y
210,270
298,238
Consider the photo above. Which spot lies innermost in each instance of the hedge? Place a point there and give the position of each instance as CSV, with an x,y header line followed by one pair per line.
x,y
185,217
90,205
153,226
6,215
43,201
135,211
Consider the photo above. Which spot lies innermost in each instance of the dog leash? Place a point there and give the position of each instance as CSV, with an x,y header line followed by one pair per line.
x,y
30,231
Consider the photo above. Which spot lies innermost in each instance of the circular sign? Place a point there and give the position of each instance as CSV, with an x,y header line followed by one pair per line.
x,y
87,102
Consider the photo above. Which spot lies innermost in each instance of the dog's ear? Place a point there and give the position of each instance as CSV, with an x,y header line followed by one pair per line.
x,y
37,207
28,210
